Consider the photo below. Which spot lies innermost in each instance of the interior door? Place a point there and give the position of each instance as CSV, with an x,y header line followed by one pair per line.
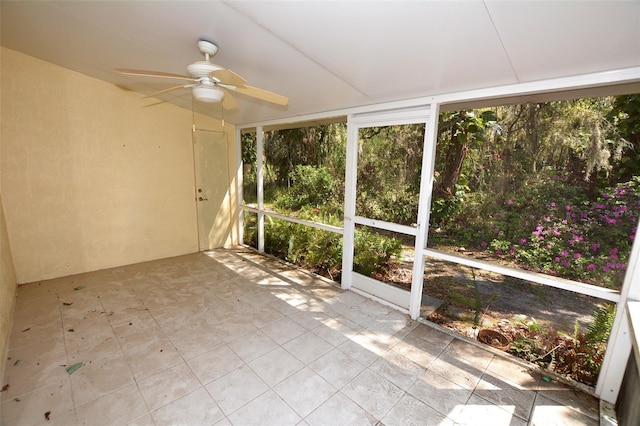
x,y
212,188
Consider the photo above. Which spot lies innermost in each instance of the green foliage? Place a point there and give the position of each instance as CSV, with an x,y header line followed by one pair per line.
x,y
373,252
311,186
389,167
554,228
600,325
321,251
578,356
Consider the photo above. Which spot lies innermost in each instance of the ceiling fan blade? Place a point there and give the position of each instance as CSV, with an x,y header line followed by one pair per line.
x,y
265,95
146,73
226,76
229,102
170,89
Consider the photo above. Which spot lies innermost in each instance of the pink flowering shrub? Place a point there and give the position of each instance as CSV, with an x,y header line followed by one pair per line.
x,y
556,229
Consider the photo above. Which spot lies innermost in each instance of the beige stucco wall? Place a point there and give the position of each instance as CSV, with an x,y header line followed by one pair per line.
x,y
90,178
7,287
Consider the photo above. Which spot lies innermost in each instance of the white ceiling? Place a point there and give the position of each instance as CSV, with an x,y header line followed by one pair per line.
x,y
330,55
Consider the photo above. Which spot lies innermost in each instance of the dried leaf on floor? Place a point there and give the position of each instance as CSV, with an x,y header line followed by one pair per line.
x,y
71,330
26,329
80,287
67,303
5,387
73,368
17,362
47,414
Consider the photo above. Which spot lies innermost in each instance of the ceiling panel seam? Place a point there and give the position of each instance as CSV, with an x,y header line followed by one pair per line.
x,y
297,50
504,49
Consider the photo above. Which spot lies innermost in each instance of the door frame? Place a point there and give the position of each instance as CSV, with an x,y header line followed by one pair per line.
x,y
224,138
408,301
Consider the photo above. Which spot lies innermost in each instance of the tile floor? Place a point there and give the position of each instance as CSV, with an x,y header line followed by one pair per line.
x,y
232,337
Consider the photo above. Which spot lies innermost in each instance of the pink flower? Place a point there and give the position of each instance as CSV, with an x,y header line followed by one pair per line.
x,y
591,267
553,204
523,240
577,255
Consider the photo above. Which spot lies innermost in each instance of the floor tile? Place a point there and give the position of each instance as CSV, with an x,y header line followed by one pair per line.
x,y
310,319
120,407
363,349
373,393
504,395
33,408
283,330
514,373
418,350
547,412
439,393
34,366
146,420
479,412
168,385
579,401
267,409
469,353
334,331
195,408
458,371
337,368
340,410
307,347
275,366
99,377
152,357
236,389
36,332
411,411
215,363
252,346
231,337
192,340
235,328
431,335
398,369
297,389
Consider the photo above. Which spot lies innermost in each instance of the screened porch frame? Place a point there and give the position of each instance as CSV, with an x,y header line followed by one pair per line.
x,y
426,110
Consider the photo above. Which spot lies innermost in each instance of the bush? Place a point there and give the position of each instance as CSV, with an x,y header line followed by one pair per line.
x,y
311,186
373,252
321,251
554,228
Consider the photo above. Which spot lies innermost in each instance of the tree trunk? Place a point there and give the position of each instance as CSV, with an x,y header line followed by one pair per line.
x,y
454,159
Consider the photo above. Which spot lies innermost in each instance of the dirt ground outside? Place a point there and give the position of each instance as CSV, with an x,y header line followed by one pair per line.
x,y
468,300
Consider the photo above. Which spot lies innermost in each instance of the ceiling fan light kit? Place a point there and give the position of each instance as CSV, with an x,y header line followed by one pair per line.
x,y
211,83
208,94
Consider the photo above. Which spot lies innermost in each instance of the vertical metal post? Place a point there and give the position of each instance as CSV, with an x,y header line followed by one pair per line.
x,y
239,185
350,181
424,207
619,344
260,189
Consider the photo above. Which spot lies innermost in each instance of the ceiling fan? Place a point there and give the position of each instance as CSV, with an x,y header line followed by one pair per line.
x,y
209,82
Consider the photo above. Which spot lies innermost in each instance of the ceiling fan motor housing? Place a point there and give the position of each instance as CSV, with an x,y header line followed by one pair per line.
x,y
201,69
